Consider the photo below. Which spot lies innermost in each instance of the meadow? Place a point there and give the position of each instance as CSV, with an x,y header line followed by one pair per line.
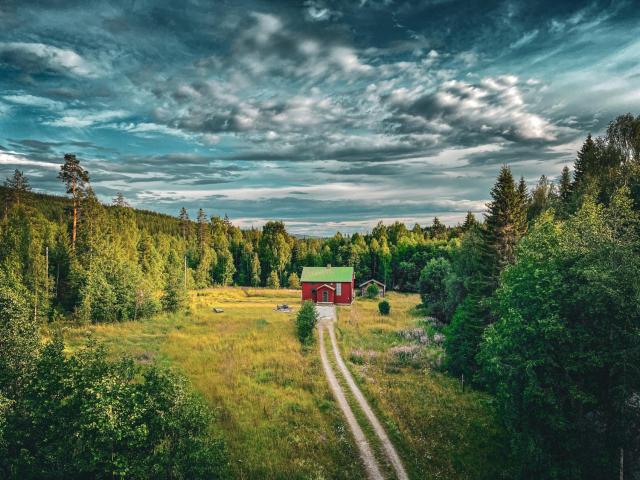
x,y
440,429
272,401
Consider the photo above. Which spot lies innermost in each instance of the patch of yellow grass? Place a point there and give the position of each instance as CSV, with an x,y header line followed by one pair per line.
x,y
270,397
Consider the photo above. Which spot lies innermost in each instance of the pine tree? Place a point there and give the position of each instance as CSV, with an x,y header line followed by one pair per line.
x,y
504,220
75,178
184,222
119,201
202,230
18,185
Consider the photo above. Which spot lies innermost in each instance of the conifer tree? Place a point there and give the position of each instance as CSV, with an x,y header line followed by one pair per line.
x,y
202,230
120,201
438,229
585,162
470,221
76,179
18,185
504,220
565,185
184,222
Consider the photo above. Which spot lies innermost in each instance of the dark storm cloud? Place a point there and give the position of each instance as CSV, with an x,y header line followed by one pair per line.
x,y
410,104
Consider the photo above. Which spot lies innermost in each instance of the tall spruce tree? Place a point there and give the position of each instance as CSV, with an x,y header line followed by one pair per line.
x,y
470,221
76,178
585,162
505,220
564,191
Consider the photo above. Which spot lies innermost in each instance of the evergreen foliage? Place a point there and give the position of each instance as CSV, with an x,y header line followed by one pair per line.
x,y
384,307
306,321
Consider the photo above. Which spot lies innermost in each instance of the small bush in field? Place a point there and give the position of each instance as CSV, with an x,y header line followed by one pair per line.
x,y
372,291
306,321
384,307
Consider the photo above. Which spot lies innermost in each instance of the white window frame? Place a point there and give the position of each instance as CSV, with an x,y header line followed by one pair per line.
x,y
338,288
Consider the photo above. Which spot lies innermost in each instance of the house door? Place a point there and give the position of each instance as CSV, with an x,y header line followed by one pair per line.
x,y
325,296
314,295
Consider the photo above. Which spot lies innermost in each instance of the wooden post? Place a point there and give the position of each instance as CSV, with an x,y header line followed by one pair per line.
x,y
185,272
462,379
621,463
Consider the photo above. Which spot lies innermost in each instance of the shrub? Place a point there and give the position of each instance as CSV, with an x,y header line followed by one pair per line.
x,y
384,307
306,321
372,291
294,281
76,406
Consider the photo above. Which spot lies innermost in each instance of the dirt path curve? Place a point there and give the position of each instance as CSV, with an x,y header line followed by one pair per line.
x,y
368,458
388,448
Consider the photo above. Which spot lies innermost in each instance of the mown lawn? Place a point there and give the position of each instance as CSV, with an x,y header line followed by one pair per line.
x,y
270,397
440,431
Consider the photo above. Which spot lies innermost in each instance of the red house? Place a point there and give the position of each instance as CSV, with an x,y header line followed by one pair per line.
x,y
328,284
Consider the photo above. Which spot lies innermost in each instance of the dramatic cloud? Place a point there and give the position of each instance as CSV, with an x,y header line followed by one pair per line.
x,y
324,113
39,57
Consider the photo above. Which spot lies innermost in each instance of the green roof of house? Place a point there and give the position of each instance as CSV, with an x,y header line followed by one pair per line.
x,y
327,274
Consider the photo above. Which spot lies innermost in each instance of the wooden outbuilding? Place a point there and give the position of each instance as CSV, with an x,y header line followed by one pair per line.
x,y
381,287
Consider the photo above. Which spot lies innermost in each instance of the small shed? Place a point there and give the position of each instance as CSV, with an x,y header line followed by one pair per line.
x,y
381,287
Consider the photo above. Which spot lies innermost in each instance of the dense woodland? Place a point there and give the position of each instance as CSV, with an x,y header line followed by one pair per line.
x,y
540,302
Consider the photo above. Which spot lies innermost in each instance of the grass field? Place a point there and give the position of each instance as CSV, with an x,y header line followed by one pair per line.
x,y
272,401
439,431
270,397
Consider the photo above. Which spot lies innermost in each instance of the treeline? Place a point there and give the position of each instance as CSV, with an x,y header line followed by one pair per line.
x,y
541,304
105,263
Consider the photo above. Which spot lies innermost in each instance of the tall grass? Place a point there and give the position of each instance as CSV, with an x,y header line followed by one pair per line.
x,y
270,397
440,431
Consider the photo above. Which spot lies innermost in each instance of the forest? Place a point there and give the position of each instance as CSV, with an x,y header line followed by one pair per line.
x,y
539,301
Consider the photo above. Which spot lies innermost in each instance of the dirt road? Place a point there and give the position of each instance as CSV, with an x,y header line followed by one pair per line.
x,y
327,317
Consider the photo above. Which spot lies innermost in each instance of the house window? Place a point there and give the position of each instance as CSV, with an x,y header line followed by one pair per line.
x,y
338,289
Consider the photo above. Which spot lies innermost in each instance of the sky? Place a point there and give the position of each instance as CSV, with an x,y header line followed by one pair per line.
x,y
328,115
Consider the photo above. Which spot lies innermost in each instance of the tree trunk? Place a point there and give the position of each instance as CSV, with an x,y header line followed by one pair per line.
x,y
75,215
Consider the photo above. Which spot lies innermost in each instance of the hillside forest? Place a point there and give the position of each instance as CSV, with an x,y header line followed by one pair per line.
x,y
539,301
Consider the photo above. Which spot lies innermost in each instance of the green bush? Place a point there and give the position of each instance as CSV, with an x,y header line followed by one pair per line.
x,y
90,417
372,291
294,281
384,307
306,321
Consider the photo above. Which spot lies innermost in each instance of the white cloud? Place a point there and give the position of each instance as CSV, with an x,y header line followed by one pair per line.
x,y
47,57
82,119
34,101
13,158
